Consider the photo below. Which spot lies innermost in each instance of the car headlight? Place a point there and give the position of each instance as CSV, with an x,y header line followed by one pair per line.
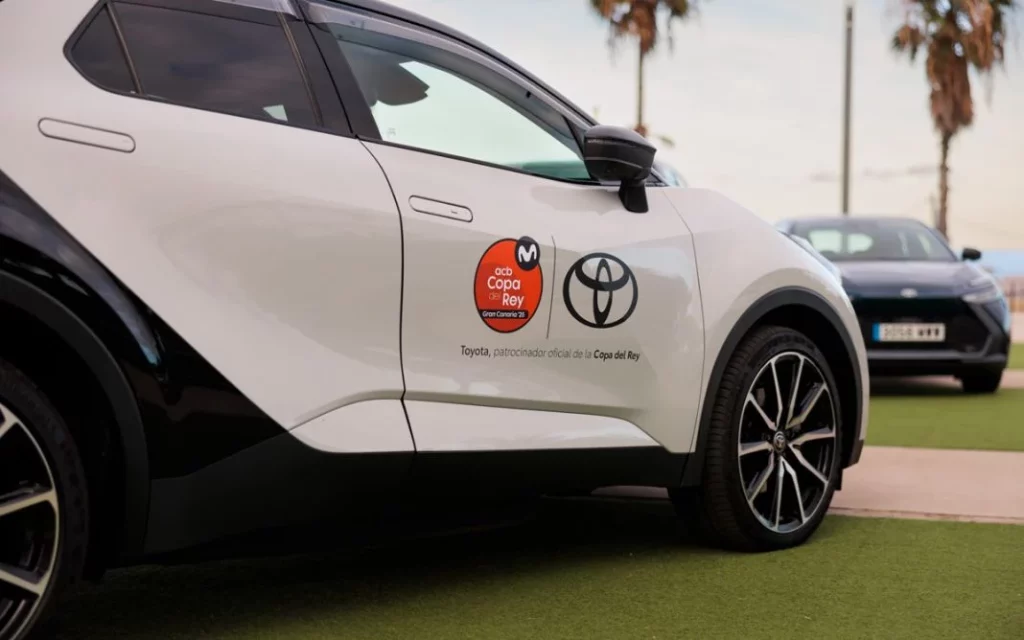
x,y
982,289
990,294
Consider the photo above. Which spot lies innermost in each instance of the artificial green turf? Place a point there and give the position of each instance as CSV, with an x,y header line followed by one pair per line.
x,y
590,572
949,419
1017,355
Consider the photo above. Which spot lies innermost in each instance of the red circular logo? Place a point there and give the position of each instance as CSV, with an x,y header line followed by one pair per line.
x,y
508,284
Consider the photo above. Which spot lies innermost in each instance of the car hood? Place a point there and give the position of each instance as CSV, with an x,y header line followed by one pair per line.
x,y
887,278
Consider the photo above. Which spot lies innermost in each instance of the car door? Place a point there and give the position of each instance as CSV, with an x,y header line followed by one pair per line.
x,y
538,313
214,174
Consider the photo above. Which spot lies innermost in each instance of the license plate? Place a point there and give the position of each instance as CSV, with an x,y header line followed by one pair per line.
x,y
909,332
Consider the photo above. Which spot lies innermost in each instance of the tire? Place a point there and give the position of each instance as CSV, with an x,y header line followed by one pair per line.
x,y
718,510
43,501
982,381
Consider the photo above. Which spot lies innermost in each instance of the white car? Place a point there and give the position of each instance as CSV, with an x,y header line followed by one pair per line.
x,y
278,263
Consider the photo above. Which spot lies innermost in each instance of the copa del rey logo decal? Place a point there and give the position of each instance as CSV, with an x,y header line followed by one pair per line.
x,y
508,284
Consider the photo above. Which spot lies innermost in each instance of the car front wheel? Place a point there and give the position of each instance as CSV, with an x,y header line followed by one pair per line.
x,y
43,506
772,456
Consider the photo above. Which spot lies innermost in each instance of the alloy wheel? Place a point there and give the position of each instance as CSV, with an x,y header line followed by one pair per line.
x,y
787,442
29,524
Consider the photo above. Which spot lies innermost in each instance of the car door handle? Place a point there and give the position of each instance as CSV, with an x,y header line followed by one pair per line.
x,y
84,134
438,208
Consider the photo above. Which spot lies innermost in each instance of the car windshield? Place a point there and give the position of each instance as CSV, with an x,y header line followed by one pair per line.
x,y
847,239
669,174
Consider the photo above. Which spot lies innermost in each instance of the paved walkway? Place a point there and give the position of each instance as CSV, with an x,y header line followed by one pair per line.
x,y
898,482
1013,378
986,486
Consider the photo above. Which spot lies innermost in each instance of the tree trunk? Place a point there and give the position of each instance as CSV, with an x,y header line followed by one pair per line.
x,y
641,128
943,184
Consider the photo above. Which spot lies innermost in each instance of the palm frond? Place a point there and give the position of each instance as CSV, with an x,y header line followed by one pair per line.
x,y
908,38
639,19
958,35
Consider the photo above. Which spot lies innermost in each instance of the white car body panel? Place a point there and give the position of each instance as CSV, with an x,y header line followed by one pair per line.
x,y
370,426
256,251
446,427
728,238
657,393
296,294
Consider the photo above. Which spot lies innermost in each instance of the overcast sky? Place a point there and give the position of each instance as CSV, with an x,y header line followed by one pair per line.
x,y
752,97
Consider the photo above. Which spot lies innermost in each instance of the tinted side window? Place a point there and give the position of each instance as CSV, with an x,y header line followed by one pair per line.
x,y
434,99
418,104
216,63
98,54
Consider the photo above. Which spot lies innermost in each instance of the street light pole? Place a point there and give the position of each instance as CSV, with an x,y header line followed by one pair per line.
x,y
846,108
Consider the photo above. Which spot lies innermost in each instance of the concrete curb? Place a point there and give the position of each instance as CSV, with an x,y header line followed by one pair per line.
x,y
911,515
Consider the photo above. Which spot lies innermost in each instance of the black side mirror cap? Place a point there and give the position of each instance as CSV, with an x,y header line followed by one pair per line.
x,y
617,154
970,253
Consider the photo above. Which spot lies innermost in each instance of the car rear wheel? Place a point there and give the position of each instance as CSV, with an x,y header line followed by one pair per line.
x,y
982,381
43,508
772,454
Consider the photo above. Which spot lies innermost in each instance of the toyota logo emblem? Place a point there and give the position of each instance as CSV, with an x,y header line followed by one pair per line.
x,y
600,291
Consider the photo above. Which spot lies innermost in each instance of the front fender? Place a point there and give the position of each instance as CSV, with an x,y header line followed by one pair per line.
x,y
746,268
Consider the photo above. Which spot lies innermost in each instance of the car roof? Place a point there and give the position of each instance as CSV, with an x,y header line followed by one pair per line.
x,y
390,10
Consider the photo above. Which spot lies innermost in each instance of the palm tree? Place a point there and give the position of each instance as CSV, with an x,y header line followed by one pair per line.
x,y
639,19
957,35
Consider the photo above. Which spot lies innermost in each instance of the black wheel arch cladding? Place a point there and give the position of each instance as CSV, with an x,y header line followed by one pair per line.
x,y
776,307
154,382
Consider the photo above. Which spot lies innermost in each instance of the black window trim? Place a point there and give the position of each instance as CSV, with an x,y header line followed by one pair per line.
x,y
321,82
334,120
293,46
122,44
360,118
79,32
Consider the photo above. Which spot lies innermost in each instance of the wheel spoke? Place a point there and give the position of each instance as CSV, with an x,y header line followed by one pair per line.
x,y
780,479
757,486
764,416
747,448
23,499
23,579
796,390
807,465
7,421
805,404
818,434
778,393
815,395
796,487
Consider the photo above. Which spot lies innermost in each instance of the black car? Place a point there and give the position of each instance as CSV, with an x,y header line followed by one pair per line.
x,y
923,309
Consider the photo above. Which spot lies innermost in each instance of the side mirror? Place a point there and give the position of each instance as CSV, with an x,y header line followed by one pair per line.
x,y
617,154
970,254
